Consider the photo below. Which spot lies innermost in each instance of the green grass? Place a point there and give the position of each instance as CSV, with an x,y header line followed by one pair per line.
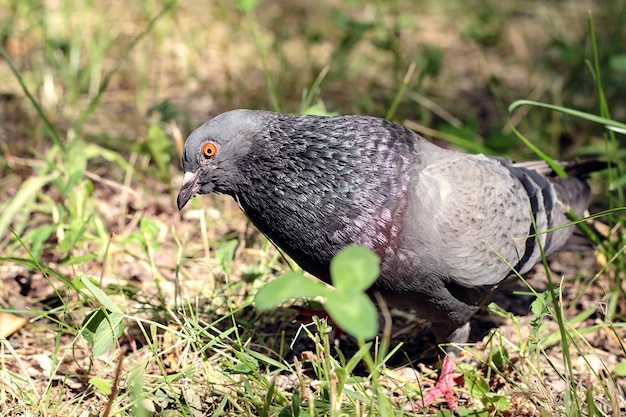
x,y
133,309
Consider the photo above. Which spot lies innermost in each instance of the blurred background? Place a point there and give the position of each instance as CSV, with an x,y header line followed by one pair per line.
x,y
463,62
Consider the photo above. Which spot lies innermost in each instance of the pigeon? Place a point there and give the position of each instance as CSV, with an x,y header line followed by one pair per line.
x,y
449,227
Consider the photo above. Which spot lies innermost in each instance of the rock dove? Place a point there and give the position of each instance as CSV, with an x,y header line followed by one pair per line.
x,y
447,226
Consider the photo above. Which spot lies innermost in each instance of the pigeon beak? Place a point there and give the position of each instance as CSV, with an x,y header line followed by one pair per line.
x,y
188,189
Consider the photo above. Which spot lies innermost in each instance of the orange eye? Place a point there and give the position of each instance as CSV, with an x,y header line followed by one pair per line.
x,y
209,149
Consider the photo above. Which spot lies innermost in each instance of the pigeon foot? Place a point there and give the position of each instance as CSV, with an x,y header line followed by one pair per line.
x,y
443,388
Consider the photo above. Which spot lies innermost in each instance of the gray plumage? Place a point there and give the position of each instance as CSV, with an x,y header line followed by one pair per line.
x,y
440,220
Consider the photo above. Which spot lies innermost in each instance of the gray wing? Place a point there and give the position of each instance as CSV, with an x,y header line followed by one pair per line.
x,y
475,215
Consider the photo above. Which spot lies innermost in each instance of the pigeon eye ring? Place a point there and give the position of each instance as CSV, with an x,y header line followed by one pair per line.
x,y
209,149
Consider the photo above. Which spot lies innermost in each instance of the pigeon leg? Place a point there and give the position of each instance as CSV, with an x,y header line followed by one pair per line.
x,y
446,382
444,386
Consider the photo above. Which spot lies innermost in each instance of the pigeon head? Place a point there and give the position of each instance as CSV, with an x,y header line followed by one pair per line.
x,y
211,155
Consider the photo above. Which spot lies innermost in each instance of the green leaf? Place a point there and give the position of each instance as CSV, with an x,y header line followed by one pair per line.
x,y
464,412
23,199
352,311
157,145
247,6
225,254
103,326
477,385
539,306
499,402
620,369
356,358
501,142
101,384
101,329
318,110
618,63
73,234
76,163
354,267
618,183
34,264
38,236
247,364
99,295
79,259
72,181
287,286
499,356
149,228
92,151
107,333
